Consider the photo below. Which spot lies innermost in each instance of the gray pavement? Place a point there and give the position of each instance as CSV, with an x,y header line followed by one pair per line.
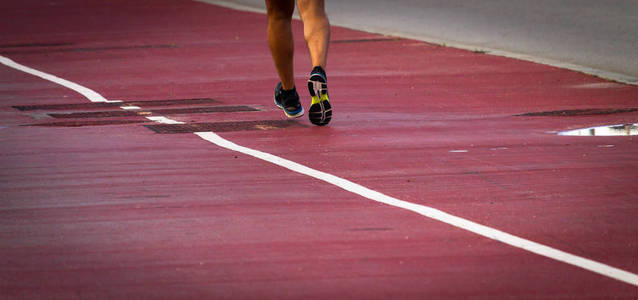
x,y
595,37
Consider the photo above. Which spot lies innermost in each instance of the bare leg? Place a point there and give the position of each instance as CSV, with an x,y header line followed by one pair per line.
x,y
316,29
280,39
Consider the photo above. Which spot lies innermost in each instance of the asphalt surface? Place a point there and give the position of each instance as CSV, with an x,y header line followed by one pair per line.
x,y
596,37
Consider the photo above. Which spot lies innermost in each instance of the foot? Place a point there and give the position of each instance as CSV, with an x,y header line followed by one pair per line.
x,y
288,101
320,111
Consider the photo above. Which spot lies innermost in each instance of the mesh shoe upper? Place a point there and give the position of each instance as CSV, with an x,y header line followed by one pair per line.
x,y
288,100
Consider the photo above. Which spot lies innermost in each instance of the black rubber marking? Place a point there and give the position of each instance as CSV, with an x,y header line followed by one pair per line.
x,y
579,112
66,106
221,126
204,110
371,229
87,123
131,113
144,103
97,114
94,105
29,45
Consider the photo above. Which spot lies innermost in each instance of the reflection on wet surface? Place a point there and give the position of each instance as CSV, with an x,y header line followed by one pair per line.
x,y
609,130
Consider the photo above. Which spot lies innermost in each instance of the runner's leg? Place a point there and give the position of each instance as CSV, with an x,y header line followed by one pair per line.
x,y
316,30
317,34
280,39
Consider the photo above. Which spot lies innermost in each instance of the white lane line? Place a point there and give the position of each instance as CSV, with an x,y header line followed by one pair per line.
x,y
347,185
163,120
430,212
90,94
86,92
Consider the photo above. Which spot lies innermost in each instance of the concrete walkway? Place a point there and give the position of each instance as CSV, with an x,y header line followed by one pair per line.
x,y
595,37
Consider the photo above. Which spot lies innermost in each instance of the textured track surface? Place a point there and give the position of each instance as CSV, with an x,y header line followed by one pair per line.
x,y
103,207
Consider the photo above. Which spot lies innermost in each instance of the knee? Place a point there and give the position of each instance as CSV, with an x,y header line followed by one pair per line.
x,y
280,11
312,10
279,17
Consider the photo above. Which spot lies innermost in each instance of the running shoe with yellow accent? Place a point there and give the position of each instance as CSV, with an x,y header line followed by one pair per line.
x,y
288,101
320,111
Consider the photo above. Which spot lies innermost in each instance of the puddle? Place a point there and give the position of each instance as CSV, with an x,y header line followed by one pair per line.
x,y
609,130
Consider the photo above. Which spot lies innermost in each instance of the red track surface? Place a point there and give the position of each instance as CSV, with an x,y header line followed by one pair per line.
x,y
120,211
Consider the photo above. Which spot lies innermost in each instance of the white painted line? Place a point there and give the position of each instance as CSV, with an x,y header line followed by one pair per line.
x,y
163,120
132,107
429,212
347,185
86,92
458,151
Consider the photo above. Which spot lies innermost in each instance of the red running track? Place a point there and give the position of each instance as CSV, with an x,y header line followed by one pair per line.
x,y
101,206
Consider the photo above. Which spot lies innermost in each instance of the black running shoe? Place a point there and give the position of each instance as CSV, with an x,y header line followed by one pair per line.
x,y
320,111
288,101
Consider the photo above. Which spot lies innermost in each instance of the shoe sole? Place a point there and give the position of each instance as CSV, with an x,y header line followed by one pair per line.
x,y
320,112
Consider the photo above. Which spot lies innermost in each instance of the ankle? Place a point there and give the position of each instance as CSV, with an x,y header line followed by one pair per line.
x,y
288,88
318,69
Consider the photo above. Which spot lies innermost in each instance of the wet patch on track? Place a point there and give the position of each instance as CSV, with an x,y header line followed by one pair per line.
x,y
608,130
